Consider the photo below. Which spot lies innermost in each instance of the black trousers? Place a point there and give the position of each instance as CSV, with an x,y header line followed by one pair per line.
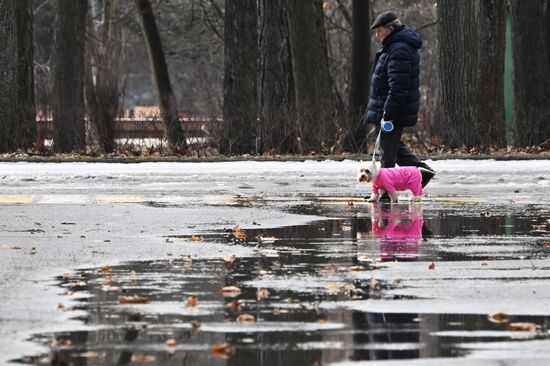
x,y
394,151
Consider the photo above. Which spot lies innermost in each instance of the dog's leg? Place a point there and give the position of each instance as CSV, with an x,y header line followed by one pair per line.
x,y
393,197
374,198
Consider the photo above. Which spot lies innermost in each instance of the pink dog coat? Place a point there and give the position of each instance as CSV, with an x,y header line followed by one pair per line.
x,y
398,179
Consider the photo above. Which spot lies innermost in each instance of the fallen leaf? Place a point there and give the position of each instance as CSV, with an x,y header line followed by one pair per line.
x,y
64,342
133,299
196,238
108,288
350,204
195,325
527,327
221,350
262,293
321,321
234,305
238,233
373,283
546,243
431,266
229,258
105,269
246,318
498,318
231,291
32,251
356,268
60,306
332,286
142,358
192,301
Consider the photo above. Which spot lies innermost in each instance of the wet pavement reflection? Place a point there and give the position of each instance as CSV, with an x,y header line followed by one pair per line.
x,y
266,310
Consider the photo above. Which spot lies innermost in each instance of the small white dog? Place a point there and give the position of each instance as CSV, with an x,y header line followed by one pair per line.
x,y
391,180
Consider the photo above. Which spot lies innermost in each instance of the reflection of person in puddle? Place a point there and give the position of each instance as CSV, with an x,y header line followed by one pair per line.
x,y
399,228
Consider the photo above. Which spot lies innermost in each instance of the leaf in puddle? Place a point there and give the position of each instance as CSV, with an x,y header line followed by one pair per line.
x,y
356,268
373,283
229,258
195,325
522,326
231,291
196,238
171,342
109,288
64,342
192,301
143,358
262,293
105,269
133,299
432,266
238,233
60,306
234,305
221,350
332,268
332,286
246,318
499,318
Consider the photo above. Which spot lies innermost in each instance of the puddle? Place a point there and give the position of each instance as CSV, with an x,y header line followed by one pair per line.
x,y
301,267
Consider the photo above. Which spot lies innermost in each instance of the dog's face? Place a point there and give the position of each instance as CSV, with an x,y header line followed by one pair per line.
x,y
367,172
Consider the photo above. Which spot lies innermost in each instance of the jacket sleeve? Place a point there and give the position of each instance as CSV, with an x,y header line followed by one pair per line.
x,y
399,80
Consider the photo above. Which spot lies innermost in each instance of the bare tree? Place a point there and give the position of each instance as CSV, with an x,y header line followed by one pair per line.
x,y
277,126
165,94
360,76
240,110
314,100
103,52
492,43
17,109
458,48
531,62
68,87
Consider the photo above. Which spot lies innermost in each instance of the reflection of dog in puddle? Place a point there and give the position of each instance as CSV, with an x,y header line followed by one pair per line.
x,y
392,180
399,229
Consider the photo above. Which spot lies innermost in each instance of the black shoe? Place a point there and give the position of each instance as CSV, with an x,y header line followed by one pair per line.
x,y
427,174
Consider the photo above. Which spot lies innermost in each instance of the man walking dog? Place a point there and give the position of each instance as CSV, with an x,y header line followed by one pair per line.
x,y
394,92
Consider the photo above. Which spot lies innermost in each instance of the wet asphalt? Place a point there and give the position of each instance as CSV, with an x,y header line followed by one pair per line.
x,y
321,276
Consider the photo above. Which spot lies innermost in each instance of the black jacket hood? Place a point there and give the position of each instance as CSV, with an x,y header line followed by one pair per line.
x,y
406,35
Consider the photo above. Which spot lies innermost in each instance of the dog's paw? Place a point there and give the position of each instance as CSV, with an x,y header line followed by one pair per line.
x,y
374,198
416,199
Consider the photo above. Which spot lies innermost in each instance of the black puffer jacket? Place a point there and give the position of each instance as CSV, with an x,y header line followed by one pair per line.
x,y
395,80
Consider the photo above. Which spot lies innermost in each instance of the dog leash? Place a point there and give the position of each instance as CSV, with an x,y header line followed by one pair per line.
x,y
376,146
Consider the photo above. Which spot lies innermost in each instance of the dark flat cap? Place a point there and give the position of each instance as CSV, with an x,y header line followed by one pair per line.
x,y
383,19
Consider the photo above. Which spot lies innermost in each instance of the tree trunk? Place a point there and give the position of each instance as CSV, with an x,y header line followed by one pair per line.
x,y
17,109
492,44
458,73
360,77
68,87
531,107
240,109
103,52
165,94
277,127
314,100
